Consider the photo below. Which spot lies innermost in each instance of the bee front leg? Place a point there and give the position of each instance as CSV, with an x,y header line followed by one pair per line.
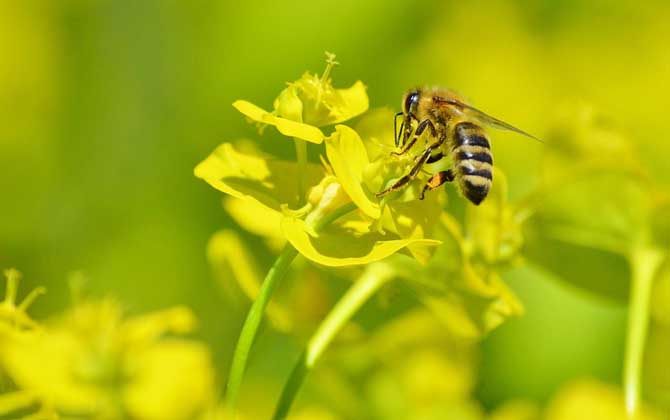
x,y
421,160
402,182
419,130
436,180
434,158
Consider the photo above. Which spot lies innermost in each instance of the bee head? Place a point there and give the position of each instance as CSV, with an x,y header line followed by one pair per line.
x,y
411,101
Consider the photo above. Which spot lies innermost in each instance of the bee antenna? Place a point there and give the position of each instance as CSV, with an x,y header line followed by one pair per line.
x,y
396,139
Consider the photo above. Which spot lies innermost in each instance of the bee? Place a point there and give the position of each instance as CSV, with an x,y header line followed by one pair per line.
x,y
456,130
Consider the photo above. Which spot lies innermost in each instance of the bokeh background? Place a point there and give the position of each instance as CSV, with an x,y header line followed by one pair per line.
x,y
106,107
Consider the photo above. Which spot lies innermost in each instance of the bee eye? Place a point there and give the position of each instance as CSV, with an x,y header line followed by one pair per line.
x,y
410,101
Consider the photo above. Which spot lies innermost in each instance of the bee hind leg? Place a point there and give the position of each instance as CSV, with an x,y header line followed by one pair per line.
x,y
436,180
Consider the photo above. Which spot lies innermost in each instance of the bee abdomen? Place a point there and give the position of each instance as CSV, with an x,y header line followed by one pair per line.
x,y
483,156
468,134
475,188
473,161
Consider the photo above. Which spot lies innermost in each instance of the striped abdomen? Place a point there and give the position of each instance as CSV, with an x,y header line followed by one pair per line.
x,y
473,163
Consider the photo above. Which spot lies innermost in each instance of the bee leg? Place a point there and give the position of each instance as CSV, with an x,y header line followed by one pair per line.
x,y
419,130
402,182
421,160
436,180
434,158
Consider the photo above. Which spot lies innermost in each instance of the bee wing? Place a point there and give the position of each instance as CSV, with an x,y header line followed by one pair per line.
x,y
485,119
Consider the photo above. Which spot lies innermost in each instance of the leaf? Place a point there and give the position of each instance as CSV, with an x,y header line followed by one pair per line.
x,y
285,126
337,247
253,176
348,158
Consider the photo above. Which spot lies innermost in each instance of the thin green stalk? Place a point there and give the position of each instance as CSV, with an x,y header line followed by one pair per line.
x,y
645,263
372,279
252,322
301,157
331,217
255,315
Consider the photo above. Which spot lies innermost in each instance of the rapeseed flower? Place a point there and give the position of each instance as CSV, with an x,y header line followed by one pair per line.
x,y
309,103
92,361
13,314
329,213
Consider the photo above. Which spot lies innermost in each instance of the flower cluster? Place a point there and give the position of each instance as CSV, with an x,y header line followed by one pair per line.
x,y
357,163
328,213
270,187
93,362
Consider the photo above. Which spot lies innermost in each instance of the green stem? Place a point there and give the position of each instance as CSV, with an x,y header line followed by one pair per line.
x,y
372,279
645,263
327,219
252,322
255,315
301,157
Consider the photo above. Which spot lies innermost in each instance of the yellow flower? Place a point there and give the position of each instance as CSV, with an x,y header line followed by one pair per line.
x,y
308,103
94,362
270,183
412,368
461,284
587,399
13,316
517,409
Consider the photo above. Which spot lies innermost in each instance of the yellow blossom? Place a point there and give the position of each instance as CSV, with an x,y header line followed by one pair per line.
x,y
93,361
269,182
308,103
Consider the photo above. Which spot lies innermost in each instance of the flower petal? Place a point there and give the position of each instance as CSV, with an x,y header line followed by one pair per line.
x,y
352,102
154,394
233,262
416,219
288,105
257,219
253,176
468,301
343,249
325,105
285,126
376,128
348,157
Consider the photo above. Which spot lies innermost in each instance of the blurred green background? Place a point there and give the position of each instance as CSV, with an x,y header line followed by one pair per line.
x,y
106,107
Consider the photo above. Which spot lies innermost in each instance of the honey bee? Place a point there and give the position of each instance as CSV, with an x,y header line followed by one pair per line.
x,y
456,129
